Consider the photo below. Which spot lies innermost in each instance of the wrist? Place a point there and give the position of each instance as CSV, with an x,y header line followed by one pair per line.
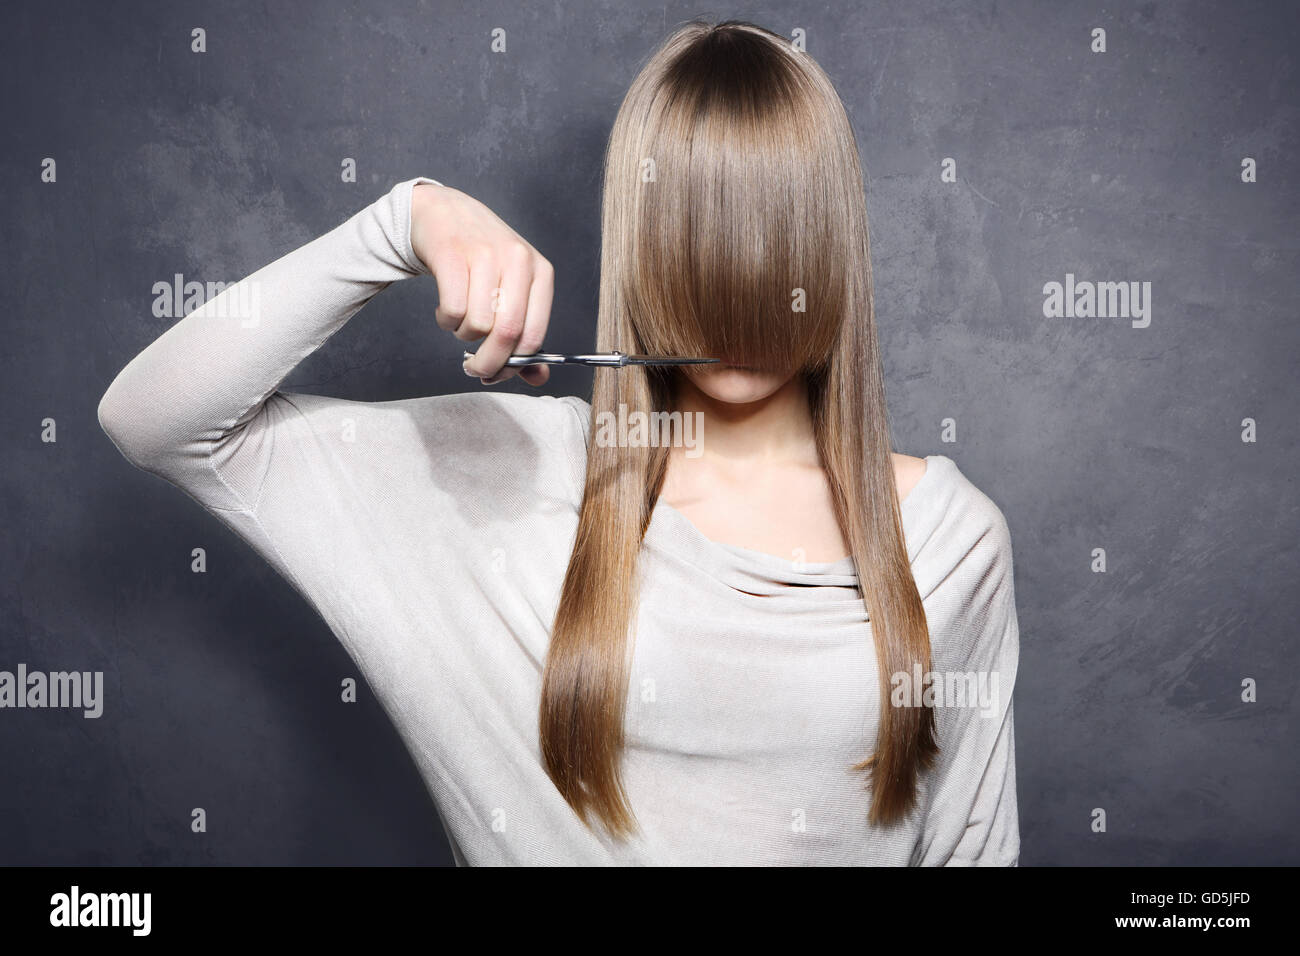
x,y
423,198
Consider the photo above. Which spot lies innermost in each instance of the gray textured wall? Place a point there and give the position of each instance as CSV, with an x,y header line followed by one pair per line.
x,y
222,688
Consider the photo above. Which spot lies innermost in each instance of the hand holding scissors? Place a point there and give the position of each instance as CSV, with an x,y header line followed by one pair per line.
x,y
492,285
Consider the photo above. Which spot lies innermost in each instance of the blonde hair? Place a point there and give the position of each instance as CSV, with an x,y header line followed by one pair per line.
x,y
732,180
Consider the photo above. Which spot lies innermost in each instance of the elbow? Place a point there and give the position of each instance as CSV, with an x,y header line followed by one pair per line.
x,y
116,420
125,420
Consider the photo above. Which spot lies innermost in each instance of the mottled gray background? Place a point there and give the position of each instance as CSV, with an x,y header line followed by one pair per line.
x,y
222,688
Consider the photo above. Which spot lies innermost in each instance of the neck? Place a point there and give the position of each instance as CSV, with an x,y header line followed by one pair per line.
x,y
776,428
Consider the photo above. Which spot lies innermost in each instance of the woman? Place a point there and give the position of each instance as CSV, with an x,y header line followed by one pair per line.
x,y
607,652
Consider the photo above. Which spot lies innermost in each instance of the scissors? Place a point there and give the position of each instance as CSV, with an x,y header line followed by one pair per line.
x,y
605,359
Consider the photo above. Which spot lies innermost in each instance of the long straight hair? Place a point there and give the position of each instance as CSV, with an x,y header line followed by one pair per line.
x,y
733,223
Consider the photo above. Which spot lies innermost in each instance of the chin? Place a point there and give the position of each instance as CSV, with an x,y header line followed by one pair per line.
x,y
736,385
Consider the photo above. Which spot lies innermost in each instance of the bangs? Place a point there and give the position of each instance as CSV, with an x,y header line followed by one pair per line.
x,y
739,208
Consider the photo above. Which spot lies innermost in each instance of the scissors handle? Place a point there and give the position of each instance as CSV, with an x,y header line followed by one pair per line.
x,y
541,358
555,358
613,359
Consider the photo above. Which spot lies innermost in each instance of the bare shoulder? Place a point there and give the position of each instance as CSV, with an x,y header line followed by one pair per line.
x,y
907,472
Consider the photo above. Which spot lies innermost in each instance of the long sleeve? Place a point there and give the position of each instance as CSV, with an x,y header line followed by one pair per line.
x,y
992,834
185,407
972,818
430,533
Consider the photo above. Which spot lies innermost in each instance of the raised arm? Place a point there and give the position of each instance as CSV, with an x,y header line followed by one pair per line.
x,y
190,407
